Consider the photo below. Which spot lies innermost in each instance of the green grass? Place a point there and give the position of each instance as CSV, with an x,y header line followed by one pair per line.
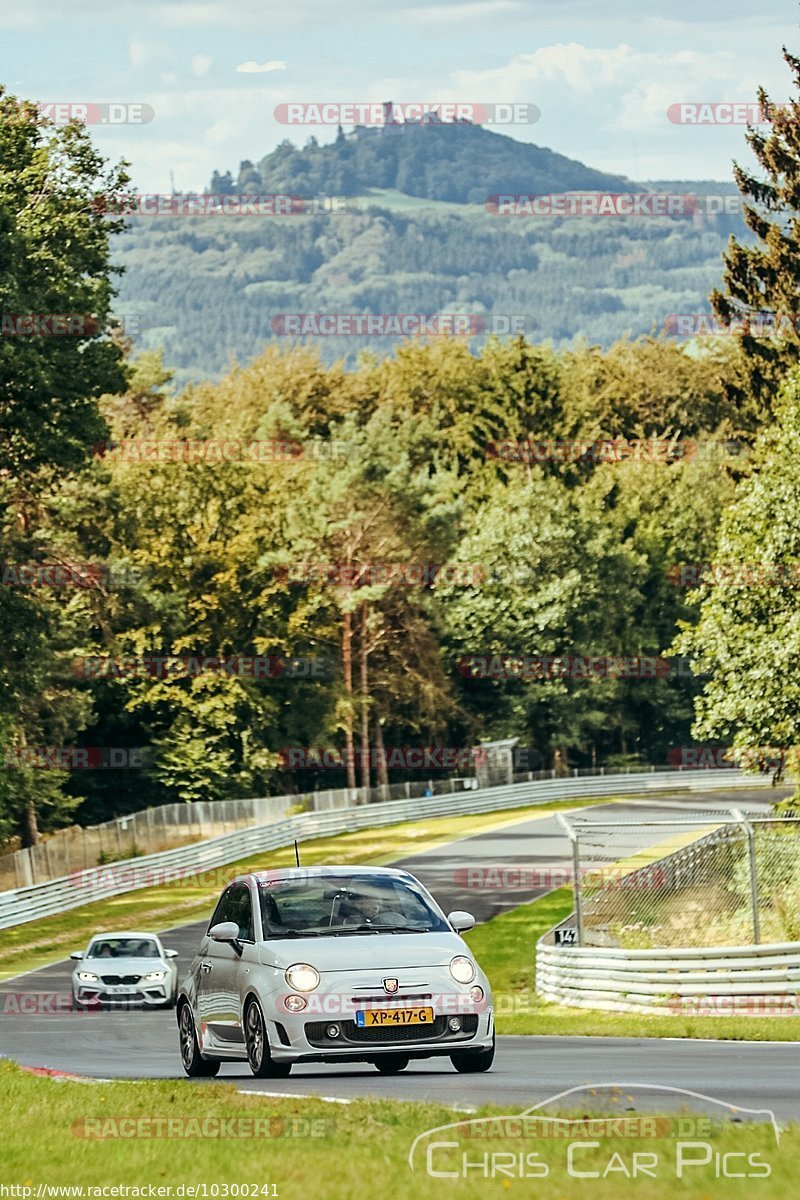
x,y
37,943
353,1148
506,949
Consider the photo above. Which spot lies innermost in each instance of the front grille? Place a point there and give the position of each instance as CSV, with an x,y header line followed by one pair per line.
x,y
316,1032
112,979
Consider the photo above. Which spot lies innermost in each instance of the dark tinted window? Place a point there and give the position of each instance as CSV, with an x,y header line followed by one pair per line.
x,y
235,905
338,905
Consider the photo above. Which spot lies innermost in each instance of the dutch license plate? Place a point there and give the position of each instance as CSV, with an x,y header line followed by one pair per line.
x,y
394,1016
119,989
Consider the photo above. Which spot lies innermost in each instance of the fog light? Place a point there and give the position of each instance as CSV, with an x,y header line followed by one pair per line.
x,y
332,1031
454,1024
476,993
295,1003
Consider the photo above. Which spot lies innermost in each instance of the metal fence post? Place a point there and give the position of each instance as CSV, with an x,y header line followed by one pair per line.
x,y
576,873
751,850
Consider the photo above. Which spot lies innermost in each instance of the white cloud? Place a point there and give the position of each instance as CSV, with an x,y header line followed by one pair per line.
x,y
200,65
142,54
253,68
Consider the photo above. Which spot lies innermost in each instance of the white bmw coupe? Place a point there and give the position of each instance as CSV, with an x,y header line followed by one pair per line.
x,y
335,965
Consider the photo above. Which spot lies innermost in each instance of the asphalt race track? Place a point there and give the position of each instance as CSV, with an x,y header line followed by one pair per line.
x,y
527,1070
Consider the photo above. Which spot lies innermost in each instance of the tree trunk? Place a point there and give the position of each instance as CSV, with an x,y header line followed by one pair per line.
x,y
29,826
347,667
365,754
29,835
380,767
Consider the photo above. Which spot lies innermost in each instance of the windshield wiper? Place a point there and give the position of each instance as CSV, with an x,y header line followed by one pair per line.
x,y
293,933
380,929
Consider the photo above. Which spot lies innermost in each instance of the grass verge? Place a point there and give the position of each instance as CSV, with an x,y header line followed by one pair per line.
x,y
296,1144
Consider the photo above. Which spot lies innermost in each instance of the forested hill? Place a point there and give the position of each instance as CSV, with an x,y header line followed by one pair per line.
x,y
461,163
417,238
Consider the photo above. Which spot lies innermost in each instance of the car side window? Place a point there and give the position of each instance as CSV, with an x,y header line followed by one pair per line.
x,y
235,905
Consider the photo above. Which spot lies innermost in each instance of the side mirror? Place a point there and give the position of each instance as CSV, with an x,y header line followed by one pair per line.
x,y
171,953
76,954
226,931
461,921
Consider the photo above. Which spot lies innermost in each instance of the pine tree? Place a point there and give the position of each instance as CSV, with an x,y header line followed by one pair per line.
x,y
763,280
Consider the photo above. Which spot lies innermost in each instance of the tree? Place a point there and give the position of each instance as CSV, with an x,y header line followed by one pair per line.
x,y
764,279
748,632
55,274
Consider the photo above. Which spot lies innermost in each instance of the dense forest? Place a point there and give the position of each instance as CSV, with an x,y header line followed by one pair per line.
x,y
405,523
208,289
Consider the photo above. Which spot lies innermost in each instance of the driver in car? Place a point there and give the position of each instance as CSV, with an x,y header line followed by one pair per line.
x,y
369,910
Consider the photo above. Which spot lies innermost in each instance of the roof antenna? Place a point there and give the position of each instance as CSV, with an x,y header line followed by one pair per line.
x,y
296,853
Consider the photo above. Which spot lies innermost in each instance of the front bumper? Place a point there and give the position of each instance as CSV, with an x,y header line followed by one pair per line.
x,y
141,995
310,1040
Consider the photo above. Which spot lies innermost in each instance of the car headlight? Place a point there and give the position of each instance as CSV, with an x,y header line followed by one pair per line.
x,y
301,977
462,969
87,977
155,975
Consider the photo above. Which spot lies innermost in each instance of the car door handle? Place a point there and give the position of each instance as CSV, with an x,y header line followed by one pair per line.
x,y
205,966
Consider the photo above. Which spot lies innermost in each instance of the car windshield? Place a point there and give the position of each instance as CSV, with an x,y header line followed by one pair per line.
x,y
130,947
324,906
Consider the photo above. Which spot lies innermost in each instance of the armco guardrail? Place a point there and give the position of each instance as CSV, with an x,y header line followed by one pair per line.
x,y
715,980
82,887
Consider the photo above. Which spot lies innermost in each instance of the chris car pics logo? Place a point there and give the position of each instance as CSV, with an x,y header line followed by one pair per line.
x,y
620,1139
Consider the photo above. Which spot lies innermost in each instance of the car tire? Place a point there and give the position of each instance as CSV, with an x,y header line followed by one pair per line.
x,y
193,1062
391,1064
470,1062
262,1064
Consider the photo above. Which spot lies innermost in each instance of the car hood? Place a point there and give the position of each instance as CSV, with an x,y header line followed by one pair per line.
x,y
360,951
121,966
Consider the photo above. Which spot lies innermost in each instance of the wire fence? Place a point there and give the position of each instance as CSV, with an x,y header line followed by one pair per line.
x,y
725,878
171,825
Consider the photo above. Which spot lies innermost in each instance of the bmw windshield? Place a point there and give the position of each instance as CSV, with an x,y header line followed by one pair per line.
x,y
326,906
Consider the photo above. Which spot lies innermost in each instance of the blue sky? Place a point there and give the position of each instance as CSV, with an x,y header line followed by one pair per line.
x,y
602,75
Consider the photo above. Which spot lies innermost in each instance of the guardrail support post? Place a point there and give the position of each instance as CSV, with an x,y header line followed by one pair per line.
x,y
576,873
751,851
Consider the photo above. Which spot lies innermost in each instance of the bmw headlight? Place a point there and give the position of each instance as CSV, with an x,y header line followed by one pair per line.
x,y
87,977
462,969
153,975
301,977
